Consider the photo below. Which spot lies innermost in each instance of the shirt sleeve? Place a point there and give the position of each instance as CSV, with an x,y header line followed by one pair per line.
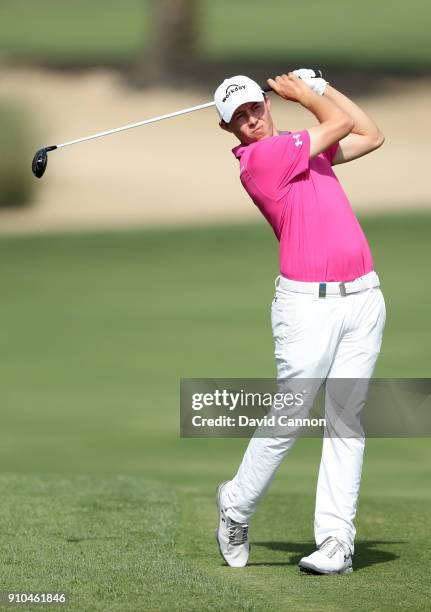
x,y
331,152
274,162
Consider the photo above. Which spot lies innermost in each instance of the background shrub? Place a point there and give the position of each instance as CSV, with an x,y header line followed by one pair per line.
x,y
16,180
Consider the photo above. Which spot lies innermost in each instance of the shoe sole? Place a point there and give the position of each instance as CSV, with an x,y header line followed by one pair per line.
x,y
217,500
312,569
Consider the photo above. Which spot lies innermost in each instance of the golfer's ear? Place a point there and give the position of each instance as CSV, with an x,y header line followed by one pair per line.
x,y
267,101
225,126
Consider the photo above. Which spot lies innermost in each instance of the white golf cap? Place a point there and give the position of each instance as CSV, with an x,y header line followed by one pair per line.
x,y
233,92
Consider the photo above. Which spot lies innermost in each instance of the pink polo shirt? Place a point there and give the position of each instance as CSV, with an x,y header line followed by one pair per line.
x,y
320,236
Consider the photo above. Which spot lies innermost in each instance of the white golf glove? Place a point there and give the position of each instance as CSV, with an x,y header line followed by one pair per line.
x,y
317,84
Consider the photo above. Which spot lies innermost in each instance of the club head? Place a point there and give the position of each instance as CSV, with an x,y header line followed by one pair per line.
x,y
39,162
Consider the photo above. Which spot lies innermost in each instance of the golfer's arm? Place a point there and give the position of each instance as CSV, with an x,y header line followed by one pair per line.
x,y
365,135
334,123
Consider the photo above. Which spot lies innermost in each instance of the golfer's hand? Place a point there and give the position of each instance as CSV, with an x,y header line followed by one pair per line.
x,y
289,87
309,77
305,73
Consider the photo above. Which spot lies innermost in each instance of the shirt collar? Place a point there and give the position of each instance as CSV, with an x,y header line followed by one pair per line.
x,y
239,149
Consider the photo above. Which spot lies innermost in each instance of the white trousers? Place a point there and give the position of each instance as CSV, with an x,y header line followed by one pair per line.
x,y
317,338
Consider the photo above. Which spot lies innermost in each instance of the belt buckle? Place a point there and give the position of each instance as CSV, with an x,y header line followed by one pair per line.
x,y
322,290
343,291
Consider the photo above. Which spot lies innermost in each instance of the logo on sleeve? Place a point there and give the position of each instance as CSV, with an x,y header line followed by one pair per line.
x,y
297,139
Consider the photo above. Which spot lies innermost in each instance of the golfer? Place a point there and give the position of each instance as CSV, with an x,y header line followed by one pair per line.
x,y
328,312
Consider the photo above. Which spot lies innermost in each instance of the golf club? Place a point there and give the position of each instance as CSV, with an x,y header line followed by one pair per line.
x,y
40,159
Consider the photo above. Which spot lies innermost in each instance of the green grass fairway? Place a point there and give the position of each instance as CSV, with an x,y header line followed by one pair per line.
x,y
100,497
124,543
109,544
386,34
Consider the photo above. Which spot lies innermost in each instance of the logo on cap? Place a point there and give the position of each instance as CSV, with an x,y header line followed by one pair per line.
x,y
232,88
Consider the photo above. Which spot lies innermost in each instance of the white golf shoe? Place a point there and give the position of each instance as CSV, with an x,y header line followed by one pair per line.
x,y
232,537
332,557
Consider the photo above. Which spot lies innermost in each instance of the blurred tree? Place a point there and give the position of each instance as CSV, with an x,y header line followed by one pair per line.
x,y
17,134
171,54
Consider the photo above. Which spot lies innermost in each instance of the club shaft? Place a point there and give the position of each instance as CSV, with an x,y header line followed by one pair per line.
x,y
184,111
134,125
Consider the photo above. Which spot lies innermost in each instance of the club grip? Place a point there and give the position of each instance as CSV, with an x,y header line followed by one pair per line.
x,y
317,72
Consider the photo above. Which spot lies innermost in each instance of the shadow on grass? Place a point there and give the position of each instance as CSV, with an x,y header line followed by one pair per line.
x,y
366,553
